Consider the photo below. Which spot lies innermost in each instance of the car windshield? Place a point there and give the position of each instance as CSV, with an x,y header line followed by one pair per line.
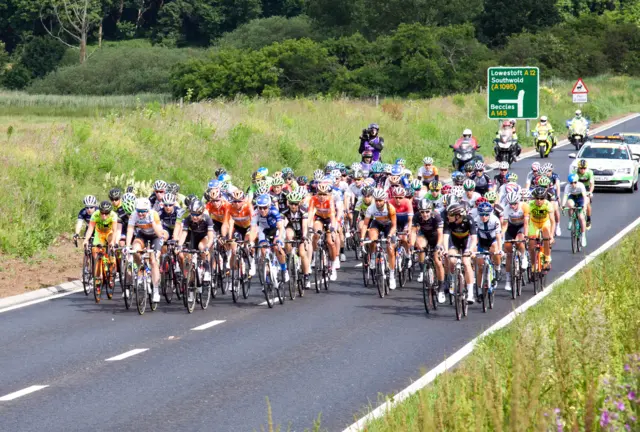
x,y
632,139
604,153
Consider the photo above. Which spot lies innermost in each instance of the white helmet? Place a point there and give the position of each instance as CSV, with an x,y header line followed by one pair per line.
x,y
503,165
160,185
90,201
379,194
513,197
578,113
427,161
143,204
466,132
543,119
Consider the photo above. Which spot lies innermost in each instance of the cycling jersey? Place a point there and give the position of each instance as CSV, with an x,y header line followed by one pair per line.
x,y
201,227
279,199
488,230
404,212
382,216
218,213
428,175
539,214
505,189
294,220
241,216
428,227
355,190
516,216
460,233
470,202
362,206
577,189
438,201
586,178
483,183
270,221
499,180
83,215
144,225
322,209
169,220
104,226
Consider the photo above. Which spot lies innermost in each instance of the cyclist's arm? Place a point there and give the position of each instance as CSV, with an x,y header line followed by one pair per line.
x,y
365,225
90,229
130,228
446,232
305,225
79,224
183,233
441,237
281,230
334,222
565,195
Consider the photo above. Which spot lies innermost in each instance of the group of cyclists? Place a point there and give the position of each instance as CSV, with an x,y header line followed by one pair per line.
x,y
367,200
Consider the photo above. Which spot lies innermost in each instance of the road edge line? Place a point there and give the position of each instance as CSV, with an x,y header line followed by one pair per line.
x,y
40,295
452,360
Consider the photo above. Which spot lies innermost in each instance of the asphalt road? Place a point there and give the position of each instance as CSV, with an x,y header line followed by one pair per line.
x,y
327,354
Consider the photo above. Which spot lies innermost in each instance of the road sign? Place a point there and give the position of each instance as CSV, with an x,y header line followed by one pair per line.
x,y
580,98
513,92
579,87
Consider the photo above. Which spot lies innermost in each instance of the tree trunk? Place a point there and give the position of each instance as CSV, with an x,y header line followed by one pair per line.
x,y
120,10
100,35
83,47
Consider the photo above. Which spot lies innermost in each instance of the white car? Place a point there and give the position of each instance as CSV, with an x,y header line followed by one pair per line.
x,y
612,162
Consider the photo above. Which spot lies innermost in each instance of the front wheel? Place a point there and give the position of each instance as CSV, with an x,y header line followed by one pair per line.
x,y
190,292
141,294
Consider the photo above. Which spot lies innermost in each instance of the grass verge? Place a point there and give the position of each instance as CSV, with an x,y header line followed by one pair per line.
x,y
49,167
569,363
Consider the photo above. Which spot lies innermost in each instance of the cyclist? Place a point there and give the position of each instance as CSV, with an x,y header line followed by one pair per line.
x,y
585,176
382,216
159,189
468,170
127,207
200,227
510,186
84,216
277,195
115,196
171,217
470,194
533,175
269,226
428,172
539,217
482,180
500,179
367,160
436,195
427,230
322,212
513,229
460,237
239,218
498,208
145,223
296,226
575,195
218,209
361,207
104,222
489,232
404,216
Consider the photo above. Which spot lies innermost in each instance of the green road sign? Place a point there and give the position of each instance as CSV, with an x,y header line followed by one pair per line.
x,y
513,92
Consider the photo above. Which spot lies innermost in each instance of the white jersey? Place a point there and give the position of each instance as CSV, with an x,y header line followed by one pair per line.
x,y
470,202
490,229
504,190
515,216
577,189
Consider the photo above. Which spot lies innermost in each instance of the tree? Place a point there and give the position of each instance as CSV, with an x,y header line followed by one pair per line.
x,y
264,31
41,55
73,20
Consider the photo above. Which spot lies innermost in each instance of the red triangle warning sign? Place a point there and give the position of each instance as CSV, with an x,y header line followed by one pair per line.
x,y
579,87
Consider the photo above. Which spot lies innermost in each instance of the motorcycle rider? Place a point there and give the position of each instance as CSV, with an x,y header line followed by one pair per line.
x,y
466,136
545,125
508,126
578,120
370,140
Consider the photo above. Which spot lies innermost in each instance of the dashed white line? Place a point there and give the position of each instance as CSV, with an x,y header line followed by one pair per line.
x,y
358,265
208,325
128,354
19,393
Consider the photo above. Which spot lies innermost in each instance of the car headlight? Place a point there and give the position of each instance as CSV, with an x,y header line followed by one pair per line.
x,y
623,170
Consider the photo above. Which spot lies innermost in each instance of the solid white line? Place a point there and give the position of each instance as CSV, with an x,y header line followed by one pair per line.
x,y
208,325
451,361
128,354
29,303
358,265
19,393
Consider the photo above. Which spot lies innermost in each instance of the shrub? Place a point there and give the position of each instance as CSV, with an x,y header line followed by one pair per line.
x,y
41,55
16,77
261,32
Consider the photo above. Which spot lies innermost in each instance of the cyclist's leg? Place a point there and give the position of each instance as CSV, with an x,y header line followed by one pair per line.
x,y
546,247
156,245
317,226
421,243
373,234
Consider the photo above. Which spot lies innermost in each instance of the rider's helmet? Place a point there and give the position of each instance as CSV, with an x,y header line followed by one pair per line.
x,y
425,205
485,209
160,185
302,180
388,168
512,122
512,177
379,194
396,170
324,187
188,199
446,189
548,167
513,197
582,163
106,207
115,194
535,166
479,166
401,162
457,192
458,178
466,133
578,113
543,119
173,188
468,167
398,192
427,160
367,191
90,201
491,197
263,200
416,185
573,178
129,203
143,204
374,126
469,185
367,154
503,165
394,179
506,124
544,182
169,199
237,195
435,185
455,209
539,193
481,200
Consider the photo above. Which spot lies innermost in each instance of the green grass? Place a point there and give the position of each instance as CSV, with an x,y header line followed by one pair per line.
x,y
563,362
49,167
17,103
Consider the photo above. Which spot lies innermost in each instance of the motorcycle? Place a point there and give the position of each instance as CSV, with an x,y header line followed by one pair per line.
x,y
463,154
577,133
543,143
505,147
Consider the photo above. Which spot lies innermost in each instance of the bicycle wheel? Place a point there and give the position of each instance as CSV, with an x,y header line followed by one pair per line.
x,y
141,293
110,281
428,282
87,275
245,280
380,277
430,275
293,276
97,281
129,275
463,286
269,293
491,287
205,291
190,293
515,271
365,270
121,266
325,268
317,272
356,247
574,237
235,279
484,287
402,271
519,276
457,295
166,278
578,230
279,284
150,289
223,273
260,268
216,272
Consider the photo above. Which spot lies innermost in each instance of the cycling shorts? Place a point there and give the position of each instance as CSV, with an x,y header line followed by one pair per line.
x,y
101,238
267,235
156,242
513,231
578,200
241,230
430,236
381,227
534,227
485,244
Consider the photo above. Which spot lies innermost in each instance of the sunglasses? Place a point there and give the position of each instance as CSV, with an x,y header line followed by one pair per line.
x,y
425,211
159,191
505,170
91,207
294,204
574,182
263,208
322,194
196,214
142,211
169,205
104,213
484,214
115,199
380,200
237,201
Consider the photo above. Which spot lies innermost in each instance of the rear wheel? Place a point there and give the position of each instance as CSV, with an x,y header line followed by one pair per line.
x,y
205,289
293,276
400,265
97,281
380,277
235,280
269,291
87,275
190,293
245,281
484,287
141,293
127,288
458,295
166,278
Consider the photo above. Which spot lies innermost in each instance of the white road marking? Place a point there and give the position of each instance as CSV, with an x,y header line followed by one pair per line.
x,y
358,265
128,354
19,393
44,299
208,325
451,361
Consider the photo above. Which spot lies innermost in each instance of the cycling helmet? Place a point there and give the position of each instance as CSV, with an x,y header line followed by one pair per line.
x,y
324,188
356,166
318,174
506,124
143,204
398,191
466,132
128,197
513,197
469,185
548,167
377,167
90,201
189,198
336,174
106,207
387,168
578,113
539,193
479,166
396,170
448,200
277,181
582,163
573,177
237,195
224,178
526,194
491,196
173,188
115,194
219,171
512,177
379,194
544,182
369,182
169,199
457,191
416,184
535,166
288,176
485,209
263,200
394,179
262,172
213,183
425,205
543,171
427,161
128,205
468,167
367,154
212,194
287,170
262,190
543,119
302,180
294,197
401,161
409,192
374,126
160,185
277,174
367,191
455,209
255,176
435,185
446,189
196,206
357,174
503,165
481,200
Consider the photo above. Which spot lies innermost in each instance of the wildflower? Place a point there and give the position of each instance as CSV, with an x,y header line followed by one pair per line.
x,y
631,395
620,405
604,419
627,368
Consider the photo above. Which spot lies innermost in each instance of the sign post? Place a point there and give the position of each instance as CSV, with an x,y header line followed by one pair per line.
x,y
513,92
580,92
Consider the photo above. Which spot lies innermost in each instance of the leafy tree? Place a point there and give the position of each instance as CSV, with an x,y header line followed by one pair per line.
x,y
286,8
264,31
351,51
16,77
337,16
41,55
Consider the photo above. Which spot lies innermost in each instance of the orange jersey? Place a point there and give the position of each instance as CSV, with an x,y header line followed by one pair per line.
x,y
220,214
242,216
324,209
